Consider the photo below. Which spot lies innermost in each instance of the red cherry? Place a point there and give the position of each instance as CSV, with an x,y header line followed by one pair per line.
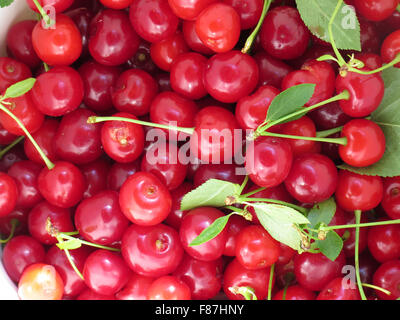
x,y
116,4
249,12
294,292
235,224
376,10
58,5
12,71
95,174
176,215
223,171
192,39
136,288
340,289
119,172
168,288
384,242
387,276
391,197
391,47
188,10
8,194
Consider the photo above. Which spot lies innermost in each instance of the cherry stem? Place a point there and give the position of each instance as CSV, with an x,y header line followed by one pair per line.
x,y
283,203
327,133
398,8
271,278
10,146
14,225
341,141
247,292
339,57
253,192
361,225
243,185
384,67
49,22
70,260
367,285
357,214
67,237
95,119
249,41
46,160
46,66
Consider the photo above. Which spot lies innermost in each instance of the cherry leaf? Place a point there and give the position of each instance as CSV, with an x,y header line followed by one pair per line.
x,y
331,246
5,3
322,212
20,88
211,231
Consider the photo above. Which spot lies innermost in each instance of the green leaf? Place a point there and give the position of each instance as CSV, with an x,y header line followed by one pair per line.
x,y
5,3
69,244
345,28
212,231
322,212
387,116
20,88
331,246
289,101
212,193
281,222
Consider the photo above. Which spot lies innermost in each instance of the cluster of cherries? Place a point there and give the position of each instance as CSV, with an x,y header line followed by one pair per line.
x,y
87,215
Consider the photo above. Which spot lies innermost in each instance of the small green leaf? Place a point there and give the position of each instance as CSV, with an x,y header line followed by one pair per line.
x,y
281,222
5,3
212,231
20,88
331,246
322,212
289,101
212,193
69,244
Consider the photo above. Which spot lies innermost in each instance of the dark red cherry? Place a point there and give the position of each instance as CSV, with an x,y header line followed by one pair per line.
x,y
188,10
391,197
136,288
375,10
387,276
249,12
193,40
119,172
12,71
6,223
235,224
329,116
349,236
174,219
6,137
8,194
95,174
142,60
223,171
384,242
88,294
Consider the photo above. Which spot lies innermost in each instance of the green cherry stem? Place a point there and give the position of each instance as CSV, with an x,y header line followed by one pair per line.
x,y
274,201
360,225
10,146
247,292
14,225
249,42
357,214
70,260
384,67
243,185
339,57
341,141
95,119
398,8
271,278
367,285
327,133
49,22
246,195
46,160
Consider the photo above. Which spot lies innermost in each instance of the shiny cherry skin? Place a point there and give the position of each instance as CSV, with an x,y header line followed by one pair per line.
x,y
8,194
141,59
294,292
223,171
136,288
218,27
176,215
12,71
153,20
76,140
58,5
249,12
329,116
100,220
112,39
371,61
235,275
164,53
152,251
283,34
168,288
340,289
62,186
202,277
384,242
6,223
59,46
73,284
255,248
40,281
134,91
25,174
14,155
251,110
366,143
391,197
20,252
19,42
116,4
366,93
193,40
188,10
44,137
369,36
213,139
89,294
387,276
144,199
58,91
314,271
186,75
268,161
119,172
230,76
235,224
375,10
95,174
193,223
391,47
313,178
98,81
105,272
26,111
358,192
122,141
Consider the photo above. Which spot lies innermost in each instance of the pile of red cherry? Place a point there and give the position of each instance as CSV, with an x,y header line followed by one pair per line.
x,y
93,189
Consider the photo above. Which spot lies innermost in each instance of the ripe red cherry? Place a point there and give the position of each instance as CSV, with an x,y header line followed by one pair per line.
x,y
168,288
58,5
391,47
235,275
7,224
134,91
112,40
376,10
294,292
40,281
249,12
152,251
366,93
358,192
12,71
340,289
153,20
144,199
136,288
141,59
365,143
268,161
62,186
329,117
218,27
119,172
116,4
99,219
176,215
188,10
313,178
384,242
387,276
95,174
58,46
255,248
230,76
192,39
283,34
235,224
8,194
193,224
391,197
